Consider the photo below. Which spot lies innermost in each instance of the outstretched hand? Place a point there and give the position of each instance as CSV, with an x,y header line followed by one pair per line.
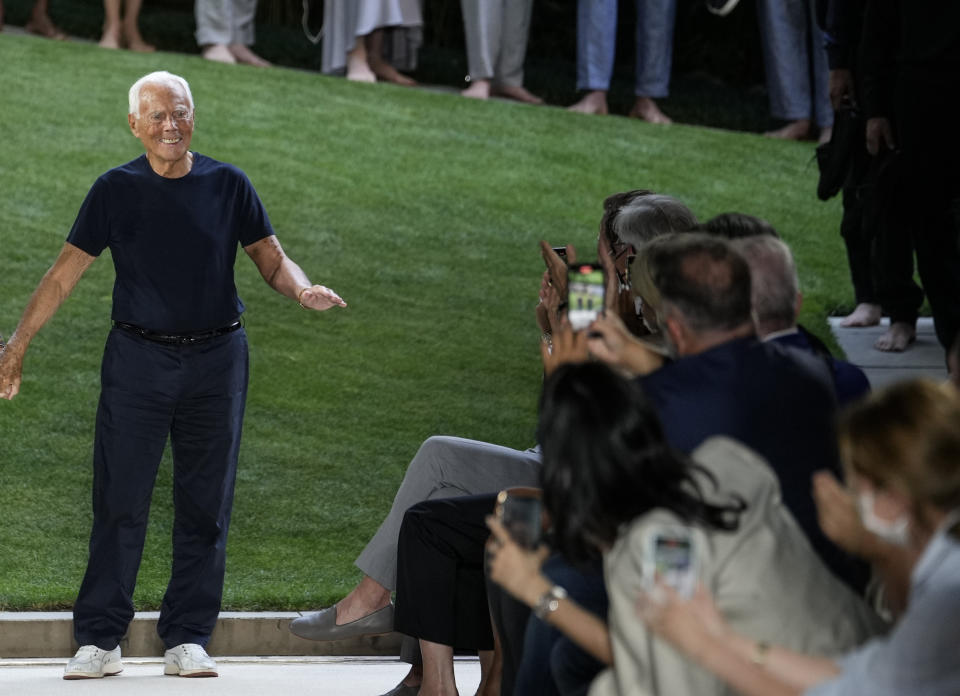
x,y
11,368
319,298
557,266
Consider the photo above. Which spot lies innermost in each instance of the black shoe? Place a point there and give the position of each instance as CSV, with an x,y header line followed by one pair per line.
x,y
834,157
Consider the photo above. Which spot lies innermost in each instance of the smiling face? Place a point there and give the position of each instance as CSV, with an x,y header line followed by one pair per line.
x,y
164,125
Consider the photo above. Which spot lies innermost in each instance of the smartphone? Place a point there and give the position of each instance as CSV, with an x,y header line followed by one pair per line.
x,y
585,289
670,557
560,251
521,512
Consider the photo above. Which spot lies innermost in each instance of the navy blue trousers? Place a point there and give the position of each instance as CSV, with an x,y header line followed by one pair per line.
x,y
195,395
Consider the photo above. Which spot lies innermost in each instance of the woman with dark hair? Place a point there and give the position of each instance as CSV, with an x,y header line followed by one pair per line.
x,y
613,487
901,447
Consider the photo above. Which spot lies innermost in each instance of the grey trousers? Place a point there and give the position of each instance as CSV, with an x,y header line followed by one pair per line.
x,y
225,21
496,36
445,467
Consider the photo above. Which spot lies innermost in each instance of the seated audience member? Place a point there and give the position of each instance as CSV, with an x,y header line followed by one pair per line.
x,y
225,31
358,33
450,466
776,301
737,225
612,483
123,33
901,448
596,44
777,401
496,37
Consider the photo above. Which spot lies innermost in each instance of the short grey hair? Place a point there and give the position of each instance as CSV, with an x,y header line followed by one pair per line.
x,y
645,217
160,77
773,280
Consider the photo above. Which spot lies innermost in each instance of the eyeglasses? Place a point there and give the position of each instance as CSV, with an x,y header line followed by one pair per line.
x,y
178,116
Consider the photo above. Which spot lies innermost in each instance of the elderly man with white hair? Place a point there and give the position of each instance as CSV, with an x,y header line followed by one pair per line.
x,y
175,365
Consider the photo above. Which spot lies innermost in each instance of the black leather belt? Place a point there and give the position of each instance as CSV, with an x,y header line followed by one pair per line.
x,y
176,339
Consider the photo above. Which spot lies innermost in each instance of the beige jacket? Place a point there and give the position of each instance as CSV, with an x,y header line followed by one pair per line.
x,y
765,578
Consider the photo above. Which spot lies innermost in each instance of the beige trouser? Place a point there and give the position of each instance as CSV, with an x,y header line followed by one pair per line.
x,y
496,32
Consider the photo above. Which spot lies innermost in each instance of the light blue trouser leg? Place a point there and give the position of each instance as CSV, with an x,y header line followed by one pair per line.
x,y
225,21
655,21
596,43
790,38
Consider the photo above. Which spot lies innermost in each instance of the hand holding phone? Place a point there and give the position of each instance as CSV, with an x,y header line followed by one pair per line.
x,y
585,293
520,510
670,558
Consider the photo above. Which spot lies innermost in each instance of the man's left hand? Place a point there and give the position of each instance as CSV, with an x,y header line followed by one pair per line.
x,y
320,297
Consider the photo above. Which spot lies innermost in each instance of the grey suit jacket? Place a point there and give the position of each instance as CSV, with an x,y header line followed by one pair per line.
x,y
765,578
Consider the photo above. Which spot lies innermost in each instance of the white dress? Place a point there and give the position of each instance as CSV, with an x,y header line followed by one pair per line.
x,y
345,20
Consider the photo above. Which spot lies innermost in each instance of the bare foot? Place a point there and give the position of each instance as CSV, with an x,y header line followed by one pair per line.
x,y
110,39
795,130
244,55
42,25
478,89
825,134
594,102
864,314
516,93
135,42
897,337
647,110
219,53
386,72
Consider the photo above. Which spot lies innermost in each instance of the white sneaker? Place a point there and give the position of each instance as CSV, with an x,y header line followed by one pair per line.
x,y
91,662
189,660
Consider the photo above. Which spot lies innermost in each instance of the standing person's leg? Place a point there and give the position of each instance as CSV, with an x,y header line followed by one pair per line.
x,y
596,46
205,437
215,29
244,14
131,27
41,24
858,230
111,24
133,421
508,73
785,59
483,25
820,73
654,34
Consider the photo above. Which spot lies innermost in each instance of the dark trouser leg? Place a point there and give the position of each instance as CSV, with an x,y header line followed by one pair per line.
x,y
440,588
547,652
206,439
133,420
510,619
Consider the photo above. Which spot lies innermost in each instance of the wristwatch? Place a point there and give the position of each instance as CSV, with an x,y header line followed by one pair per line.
x,y
548,602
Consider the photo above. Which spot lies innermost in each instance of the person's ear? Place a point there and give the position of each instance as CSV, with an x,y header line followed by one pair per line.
x,y
677,333
132,120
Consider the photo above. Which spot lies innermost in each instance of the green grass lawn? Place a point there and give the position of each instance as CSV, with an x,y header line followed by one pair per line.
x,y
423,210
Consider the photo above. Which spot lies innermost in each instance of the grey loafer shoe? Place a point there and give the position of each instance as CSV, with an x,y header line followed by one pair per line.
x,y
322,625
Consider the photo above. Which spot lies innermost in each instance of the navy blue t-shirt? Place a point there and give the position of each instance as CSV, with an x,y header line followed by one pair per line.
x,y
173,241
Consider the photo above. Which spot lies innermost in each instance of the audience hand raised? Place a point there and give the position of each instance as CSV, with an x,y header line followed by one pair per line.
x,y
838,515
569,346
557,266
514,568
686,623
613,344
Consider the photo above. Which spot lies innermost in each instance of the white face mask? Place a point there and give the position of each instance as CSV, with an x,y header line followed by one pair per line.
x,y
896,531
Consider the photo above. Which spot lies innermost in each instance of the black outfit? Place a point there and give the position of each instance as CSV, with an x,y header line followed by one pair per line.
x,y
879,253
175,365
911,75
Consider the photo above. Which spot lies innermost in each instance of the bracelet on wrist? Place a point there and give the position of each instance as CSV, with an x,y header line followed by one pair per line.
x,y
300,297
548,602
760,651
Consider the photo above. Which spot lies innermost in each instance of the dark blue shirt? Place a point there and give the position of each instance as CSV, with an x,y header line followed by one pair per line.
x,y
173,241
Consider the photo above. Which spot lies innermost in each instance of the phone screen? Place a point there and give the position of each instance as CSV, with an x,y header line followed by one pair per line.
x,y
673,562
522,516
585,288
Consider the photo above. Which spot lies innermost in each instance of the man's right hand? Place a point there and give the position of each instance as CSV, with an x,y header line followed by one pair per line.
x,y
557,267
879,133
11,366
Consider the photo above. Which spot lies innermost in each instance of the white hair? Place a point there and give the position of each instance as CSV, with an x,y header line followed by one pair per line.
x,y
773,281
161,77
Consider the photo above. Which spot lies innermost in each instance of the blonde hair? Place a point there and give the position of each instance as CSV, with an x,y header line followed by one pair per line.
x,y
642,273
907,437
